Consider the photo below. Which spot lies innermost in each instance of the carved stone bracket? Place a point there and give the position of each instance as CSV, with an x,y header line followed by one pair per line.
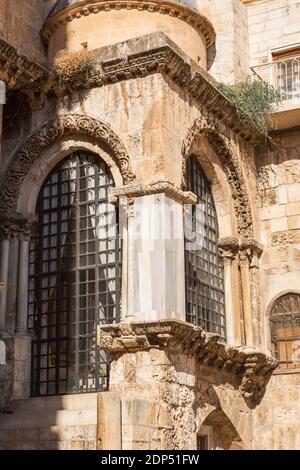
x,y
52,131
252,367
16,225
138,190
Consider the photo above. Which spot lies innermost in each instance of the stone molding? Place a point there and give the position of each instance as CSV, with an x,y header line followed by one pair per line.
x,y
139,190
16,225
16,70
88,7
152,53
52,131
252,367
230,160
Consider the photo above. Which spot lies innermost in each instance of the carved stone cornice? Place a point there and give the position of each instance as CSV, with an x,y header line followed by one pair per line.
x,y
16,225
138,190
66,124
252,367
92,7
16,70
153,53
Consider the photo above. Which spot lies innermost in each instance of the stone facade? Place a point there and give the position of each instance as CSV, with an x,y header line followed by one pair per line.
x,y
149,102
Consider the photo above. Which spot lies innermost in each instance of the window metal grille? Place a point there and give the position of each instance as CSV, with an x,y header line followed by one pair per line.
x,y
204,267
74,277
285,330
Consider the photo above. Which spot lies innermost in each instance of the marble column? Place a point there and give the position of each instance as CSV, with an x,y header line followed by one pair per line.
x,y
229,248
245,282
2,102
4,264
22,304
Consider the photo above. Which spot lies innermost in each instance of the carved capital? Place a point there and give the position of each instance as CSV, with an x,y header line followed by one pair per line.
x,y
229,247
16,225
249,249
250,366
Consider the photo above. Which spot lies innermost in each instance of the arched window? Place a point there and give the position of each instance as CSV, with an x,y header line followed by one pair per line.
x,y
203,263
74,277
285,330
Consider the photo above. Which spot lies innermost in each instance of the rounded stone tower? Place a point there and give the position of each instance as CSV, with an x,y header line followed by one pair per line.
x,y
92,24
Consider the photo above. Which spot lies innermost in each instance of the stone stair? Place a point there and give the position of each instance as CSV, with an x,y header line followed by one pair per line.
x,y
65,422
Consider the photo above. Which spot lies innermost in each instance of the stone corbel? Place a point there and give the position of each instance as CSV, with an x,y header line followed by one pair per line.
x,y
250,366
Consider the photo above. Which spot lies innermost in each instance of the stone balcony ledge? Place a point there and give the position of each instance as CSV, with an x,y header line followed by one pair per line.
x,y
252,367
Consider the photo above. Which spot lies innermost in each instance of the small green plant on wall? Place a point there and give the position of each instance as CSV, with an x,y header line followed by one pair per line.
x,y
255,101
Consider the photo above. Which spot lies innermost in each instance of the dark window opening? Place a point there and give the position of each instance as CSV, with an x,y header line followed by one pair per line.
x,y
74,277
203,264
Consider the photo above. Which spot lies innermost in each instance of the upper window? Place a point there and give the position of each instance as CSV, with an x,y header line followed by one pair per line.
x,y
74,278
287,72
203,263
285,330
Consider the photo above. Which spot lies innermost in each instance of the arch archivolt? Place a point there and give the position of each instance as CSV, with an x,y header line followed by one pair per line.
x,y
51,156
229,165
92,133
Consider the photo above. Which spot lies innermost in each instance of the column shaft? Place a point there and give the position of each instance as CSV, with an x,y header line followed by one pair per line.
x,y
245,280
4,263
22,306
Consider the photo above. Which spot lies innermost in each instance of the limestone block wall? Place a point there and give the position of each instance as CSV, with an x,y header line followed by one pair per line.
x,y
272,24
167,397
276,420
229,61
20,23
279,185
51,423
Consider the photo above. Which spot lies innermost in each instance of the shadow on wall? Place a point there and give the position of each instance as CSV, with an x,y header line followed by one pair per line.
x,y
219,433
66,422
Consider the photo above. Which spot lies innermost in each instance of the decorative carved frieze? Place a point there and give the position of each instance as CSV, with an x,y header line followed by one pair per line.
x,y
16,225
86,8
230,160
252,367
52,131
16,70
138,190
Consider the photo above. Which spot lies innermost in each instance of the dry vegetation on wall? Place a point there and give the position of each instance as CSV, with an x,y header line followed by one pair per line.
x,y
70,65
255,101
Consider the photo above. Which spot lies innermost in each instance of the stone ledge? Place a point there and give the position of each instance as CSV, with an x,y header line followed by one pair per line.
x,y
16,70
138,190
251,366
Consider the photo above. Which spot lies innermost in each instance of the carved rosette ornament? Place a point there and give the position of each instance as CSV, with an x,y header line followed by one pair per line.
x,y
250,366
16,225
52,131
230,160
